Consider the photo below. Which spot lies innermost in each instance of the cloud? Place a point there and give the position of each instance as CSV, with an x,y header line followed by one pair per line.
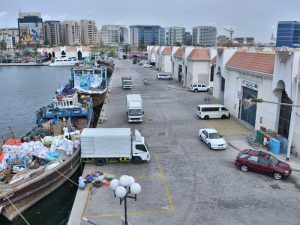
x,y
3,14
59,17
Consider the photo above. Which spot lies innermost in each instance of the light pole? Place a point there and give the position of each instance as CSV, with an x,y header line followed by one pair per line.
x,y
123,188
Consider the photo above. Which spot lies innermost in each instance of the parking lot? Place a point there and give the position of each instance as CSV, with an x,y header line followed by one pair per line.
x,y
185,182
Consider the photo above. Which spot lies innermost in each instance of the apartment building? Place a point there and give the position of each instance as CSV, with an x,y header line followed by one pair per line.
x,y
71,32
52,32
89,32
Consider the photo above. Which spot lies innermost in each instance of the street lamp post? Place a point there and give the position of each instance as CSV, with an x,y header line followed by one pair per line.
x,y
123,188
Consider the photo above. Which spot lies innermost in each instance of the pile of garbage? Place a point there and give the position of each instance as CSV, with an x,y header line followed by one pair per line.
x,y
97,179
14,151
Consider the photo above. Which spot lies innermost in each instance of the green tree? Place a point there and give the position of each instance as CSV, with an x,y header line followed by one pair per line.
x,y
26,53
3,47
142,47
35,52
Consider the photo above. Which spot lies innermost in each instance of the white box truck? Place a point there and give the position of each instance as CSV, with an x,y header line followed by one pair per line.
x,y
103,145
135,111
126,82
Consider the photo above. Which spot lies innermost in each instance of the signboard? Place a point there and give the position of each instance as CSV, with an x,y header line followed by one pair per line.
x,y
250,85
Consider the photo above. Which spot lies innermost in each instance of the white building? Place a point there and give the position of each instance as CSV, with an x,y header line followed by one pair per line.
x,y
176,36
205,36
166,63
89,32
198,66
67,51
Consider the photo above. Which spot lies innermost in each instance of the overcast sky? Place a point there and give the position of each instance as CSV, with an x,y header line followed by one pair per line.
x,y
256,18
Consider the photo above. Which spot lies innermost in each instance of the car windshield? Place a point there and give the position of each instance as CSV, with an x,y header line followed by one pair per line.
x,y
135,112
273,160
214,136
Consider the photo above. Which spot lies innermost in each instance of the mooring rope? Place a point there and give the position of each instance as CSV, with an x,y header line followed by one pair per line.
x,y
15,208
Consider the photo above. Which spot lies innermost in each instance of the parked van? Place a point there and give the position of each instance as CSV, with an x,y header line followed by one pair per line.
x,y
212,111
164,76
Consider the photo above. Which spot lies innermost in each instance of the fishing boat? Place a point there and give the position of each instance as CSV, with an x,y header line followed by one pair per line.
x,y
91,81
64,61
40,162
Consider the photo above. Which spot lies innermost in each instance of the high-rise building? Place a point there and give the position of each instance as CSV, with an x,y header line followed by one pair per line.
x,y
113,35
30,29
244,40
10,36
288,34
205,36
89,32
147,35
52,32
177,36
71,32
188,38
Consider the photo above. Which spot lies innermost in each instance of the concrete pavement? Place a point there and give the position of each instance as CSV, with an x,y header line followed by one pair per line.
x,y
185,183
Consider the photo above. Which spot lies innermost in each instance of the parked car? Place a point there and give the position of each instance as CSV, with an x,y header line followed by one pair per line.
x,y
197,87
147,65
212,138
262,162
164,76
212,111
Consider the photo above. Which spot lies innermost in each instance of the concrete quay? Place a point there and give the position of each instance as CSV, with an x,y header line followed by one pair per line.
x,y
184,183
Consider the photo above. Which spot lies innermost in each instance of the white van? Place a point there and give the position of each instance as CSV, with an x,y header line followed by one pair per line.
x,y
212,111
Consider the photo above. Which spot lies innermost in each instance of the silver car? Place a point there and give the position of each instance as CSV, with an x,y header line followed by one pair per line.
x,y
164,76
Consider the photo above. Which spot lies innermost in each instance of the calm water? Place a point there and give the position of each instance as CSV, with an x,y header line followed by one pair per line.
x,y
23,91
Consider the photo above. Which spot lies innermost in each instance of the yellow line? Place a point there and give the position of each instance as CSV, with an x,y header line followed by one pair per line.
x,y
164,181
132,213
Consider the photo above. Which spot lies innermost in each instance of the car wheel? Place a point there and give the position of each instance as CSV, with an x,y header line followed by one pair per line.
x,y
209,145
277,175
195,90
244,168
137,160
201,138
223,117
100,162
206,117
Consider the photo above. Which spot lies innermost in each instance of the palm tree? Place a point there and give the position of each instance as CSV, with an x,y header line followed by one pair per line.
x,y
26,54
35,53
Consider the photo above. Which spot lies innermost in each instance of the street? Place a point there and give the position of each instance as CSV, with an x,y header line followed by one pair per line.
x,y
186,183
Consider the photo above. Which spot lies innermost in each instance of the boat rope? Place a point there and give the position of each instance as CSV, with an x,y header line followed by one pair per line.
x,y
66,177
15,207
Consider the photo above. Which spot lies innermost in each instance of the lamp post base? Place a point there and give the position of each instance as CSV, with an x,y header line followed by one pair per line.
x,y
123,221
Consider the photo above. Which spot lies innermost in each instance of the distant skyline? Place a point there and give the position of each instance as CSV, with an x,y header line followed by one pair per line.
x,y
255,18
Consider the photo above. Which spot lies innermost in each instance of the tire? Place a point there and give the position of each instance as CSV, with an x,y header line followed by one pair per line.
x,y
209,146
137,160
244,168
206,117
196,90
201,138
223,117
277,176
100,162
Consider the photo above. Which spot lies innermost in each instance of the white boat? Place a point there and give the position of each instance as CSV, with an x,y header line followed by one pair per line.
x,y
65,61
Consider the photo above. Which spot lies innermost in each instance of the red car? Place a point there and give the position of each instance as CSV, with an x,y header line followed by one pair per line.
x,y
262,162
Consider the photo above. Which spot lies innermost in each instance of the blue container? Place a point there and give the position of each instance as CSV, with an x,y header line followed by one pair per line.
x,y
284,144
274,145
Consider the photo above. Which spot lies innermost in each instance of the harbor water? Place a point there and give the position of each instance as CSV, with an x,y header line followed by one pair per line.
x,y
24,89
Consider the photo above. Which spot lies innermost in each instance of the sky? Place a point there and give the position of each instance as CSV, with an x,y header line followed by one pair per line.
x,y
248,18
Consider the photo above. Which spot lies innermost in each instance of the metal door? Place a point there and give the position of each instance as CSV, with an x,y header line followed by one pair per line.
x,y
248,111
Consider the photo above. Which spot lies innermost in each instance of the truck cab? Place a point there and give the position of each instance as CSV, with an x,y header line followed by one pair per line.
x,y
135,109
140,149
126,82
